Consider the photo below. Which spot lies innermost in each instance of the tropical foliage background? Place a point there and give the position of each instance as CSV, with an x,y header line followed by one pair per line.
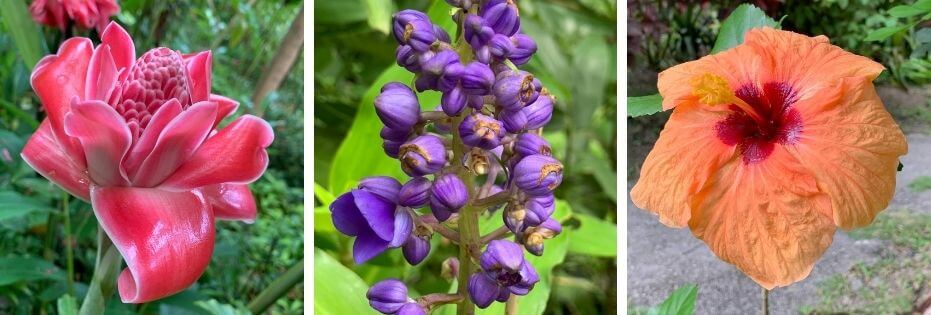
x,y
47,239
881,269
355,55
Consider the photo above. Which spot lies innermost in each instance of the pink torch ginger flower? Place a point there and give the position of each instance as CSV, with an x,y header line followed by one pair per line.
x,y
84,13
138,139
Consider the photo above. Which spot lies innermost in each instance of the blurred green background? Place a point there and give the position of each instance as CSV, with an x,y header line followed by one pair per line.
x,y
355,55
881,269
245,36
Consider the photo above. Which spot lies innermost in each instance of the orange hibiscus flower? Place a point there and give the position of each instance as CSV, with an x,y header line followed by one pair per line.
x,y
770,146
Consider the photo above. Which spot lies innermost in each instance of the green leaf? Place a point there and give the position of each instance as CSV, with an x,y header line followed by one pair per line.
x,y
17,269
339,12
744,18
598,165
361,154
26,34
903,11
324,195
886,32
339,290
323,220
213,307
67,305
594,237
644,105
380,12
12,205
680,302
920,184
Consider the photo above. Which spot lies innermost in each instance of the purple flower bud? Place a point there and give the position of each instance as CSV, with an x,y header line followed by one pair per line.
x,y
539,209
476,102
500,46
384,186
424,155
440,212
453,101
515,89
401,19
539,112
529,144
415,193
515,121
514,215
441,34
504,272
436,63
476,32
394,134
426,81
524,48
534,237
537,175
419,34
450,268
392,147
477,79
464,4
411,309
501,16
387,296
408,58
416,248
479,130
376,222
397,106
483,54
443,125
449,193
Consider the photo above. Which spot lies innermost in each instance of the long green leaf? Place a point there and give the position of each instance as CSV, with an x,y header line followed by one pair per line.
x,y
26,34
380,12
594,237
16,269
13,205
680,302
339,290
744,18
644,105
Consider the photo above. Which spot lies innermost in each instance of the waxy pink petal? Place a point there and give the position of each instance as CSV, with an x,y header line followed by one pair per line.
x,y
225,107
199,68
104,137
101,75
165,237
45,155
121,46
231,202
177,142
143,146
235,154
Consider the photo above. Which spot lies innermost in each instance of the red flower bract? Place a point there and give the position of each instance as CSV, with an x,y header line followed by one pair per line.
x,y
84,13
137,138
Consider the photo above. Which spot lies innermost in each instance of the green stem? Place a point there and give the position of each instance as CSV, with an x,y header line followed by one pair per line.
x,y
277,288
69,241
510,307
104,279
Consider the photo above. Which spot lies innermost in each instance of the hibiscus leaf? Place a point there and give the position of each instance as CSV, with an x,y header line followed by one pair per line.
x,y
902,11
744,18
340,290
886,32
26,34
644,105
680,302
594,237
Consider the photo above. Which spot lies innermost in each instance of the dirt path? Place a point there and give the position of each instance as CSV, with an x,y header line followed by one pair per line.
x,y
661,259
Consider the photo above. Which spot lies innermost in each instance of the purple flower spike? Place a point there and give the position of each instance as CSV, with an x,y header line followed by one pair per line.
x,y
531,144
478,130
477,79
384,186
411,309
449,193
376,222
476,32
501,16
416,248
388,296
534,237
501,46
537,175
515,89
524,48
419,34
401,19
515,121
397,106
415,193
424,155
504,272
539,112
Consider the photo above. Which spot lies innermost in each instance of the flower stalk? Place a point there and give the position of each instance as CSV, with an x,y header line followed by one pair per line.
x,y
468,227
69,242
104,278
277,288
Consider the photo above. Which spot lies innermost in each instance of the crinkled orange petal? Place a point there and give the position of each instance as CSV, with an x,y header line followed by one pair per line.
x,y
687,153
739,65
806,63
766,218
852,146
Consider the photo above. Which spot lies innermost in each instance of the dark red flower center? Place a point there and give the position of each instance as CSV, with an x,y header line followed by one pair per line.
x,y
780,124
158,76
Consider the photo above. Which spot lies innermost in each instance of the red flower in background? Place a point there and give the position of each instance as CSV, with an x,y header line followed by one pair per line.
x,y
84,13
138,139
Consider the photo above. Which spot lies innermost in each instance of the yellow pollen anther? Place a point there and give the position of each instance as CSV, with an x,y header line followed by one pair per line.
x,y
713,90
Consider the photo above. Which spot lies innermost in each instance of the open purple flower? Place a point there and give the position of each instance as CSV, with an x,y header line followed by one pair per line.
x,y
504,271
375,221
